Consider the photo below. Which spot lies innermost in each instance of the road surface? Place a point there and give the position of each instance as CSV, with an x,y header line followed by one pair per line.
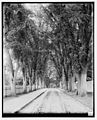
x,y
50,100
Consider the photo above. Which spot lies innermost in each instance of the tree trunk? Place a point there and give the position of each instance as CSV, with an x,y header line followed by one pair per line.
x,y
12,83
83,82
13,89
42,83
30,84
66,82
78,76
39,82
34,78
36,81
60,84
63,78
13,75
36,84
72,83
24,84
82,88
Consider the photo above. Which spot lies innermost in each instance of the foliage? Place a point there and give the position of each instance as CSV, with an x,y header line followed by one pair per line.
x,y
73,33
63,32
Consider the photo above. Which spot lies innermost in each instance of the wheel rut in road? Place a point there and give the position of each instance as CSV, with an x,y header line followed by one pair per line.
x,y
51,103
29,103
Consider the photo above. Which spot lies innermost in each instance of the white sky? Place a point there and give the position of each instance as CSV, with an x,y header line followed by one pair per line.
x,y
34,7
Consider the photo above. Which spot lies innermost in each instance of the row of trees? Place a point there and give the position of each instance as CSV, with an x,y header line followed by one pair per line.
x,y
72,41
63,32
23,39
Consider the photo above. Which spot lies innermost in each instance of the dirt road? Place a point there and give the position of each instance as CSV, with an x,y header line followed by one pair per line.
x,y
54,101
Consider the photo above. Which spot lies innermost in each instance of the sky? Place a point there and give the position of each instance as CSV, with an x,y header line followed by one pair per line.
x,y
34,7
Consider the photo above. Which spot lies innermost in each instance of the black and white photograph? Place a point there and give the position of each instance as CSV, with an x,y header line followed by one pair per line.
x,y
48,59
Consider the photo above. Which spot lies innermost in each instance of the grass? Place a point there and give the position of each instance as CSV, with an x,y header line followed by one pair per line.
x,y
86,100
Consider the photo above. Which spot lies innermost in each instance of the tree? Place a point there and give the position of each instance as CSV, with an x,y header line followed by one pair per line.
x,y
83,36
62,33
72,31
8,15
15,17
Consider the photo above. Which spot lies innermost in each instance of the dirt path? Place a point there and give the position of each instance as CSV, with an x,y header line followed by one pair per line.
x,y
55,101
